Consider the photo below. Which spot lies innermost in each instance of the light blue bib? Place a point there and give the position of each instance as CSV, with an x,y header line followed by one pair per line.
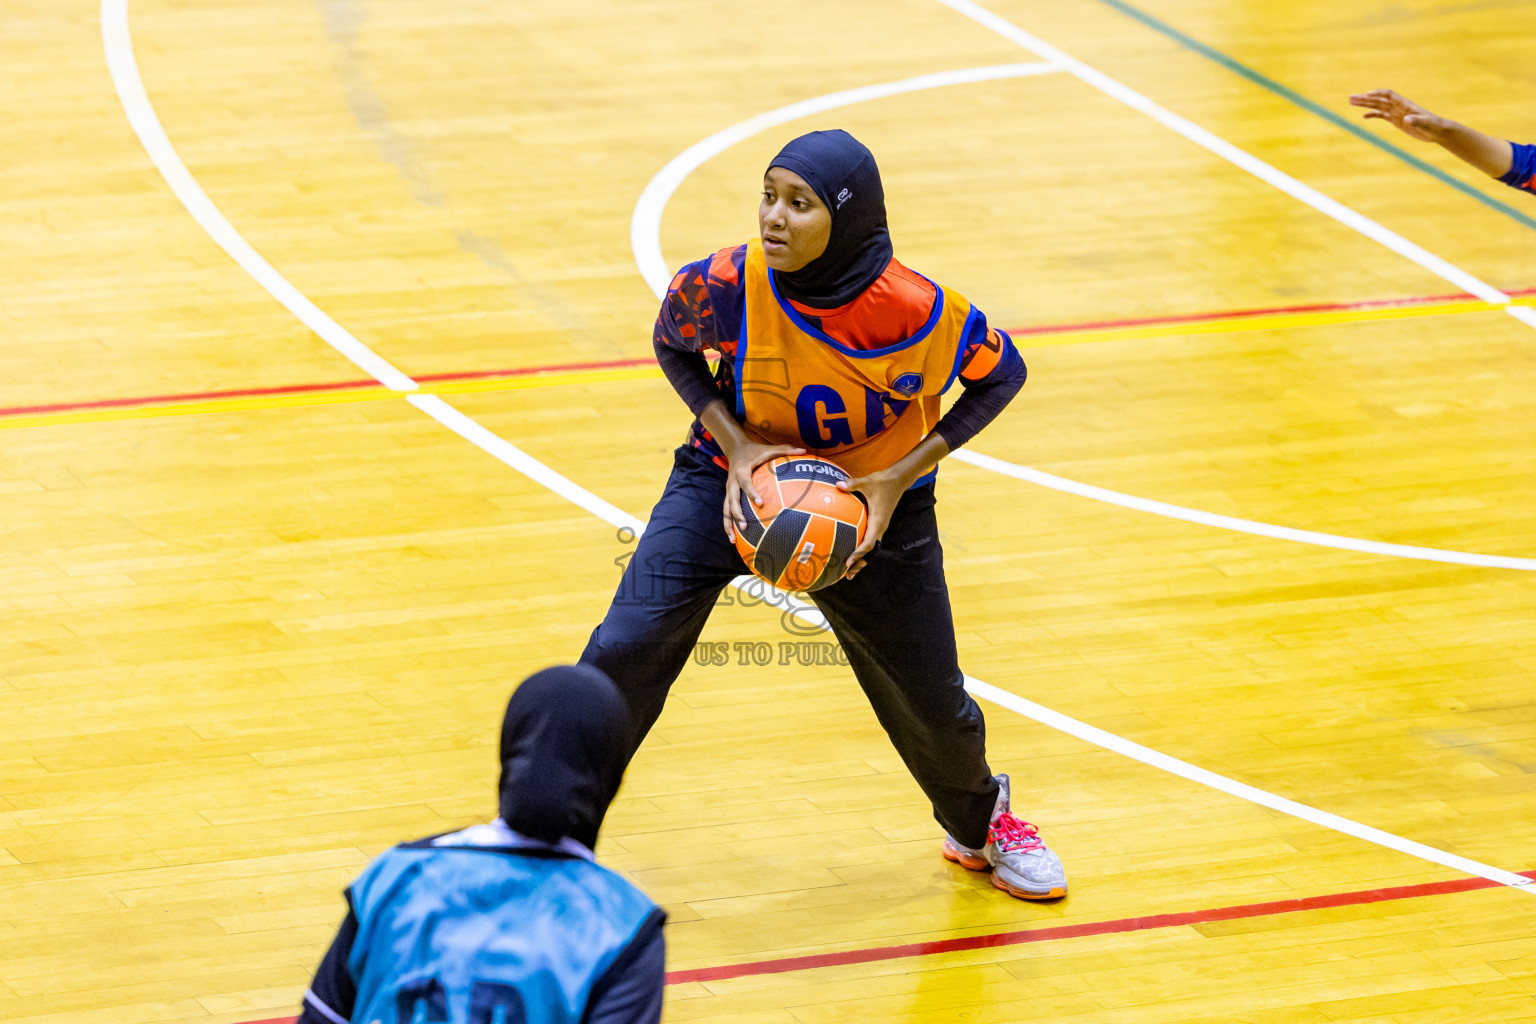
x,y
479,934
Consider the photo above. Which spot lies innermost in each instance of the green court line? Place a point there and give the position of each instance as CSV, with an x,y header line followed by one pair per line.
x,y
1359,131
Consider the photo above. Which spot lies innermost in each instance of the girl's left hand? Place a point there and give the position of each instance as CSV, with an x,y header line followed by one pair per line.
x,y
881,490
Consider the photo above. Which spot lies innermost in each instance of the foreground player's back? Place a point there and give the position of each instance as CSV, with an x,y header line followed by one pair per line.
x,y
465,924
510,922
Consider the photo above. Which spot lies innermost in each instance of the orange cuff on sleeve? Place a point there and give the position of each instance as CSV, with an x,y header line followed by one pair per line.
x,y
984,357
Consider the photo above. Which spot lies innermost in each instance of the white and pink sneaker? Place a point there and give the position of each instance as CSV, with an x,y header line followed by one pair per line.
x,y
1021,864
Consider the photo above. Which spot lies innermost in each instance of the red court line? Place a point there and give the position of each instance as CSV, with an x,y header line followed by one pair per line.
x,y
994,940
1240,314
298,389
1072,931
187,396
613,364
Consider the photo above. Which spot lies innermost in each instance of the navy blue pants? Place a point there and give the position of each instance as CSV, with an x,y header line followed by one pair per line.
x,y
892,621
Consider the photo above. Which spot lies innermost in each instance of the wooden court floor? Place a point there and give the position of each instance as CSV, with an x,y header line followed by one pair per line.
x,y
261,614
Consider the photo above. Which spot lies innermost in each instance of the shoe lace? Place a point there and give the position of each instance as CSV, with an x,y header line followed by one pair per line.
x,y
1011,834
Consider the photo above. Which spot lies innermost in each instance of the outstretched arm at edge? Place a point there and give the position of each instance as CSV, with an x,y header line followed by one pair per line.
x,y
1493,156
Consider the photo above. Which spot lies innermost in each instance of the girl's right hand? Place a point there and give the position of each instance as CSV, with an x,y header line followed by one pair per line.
x,y
1386,105
745,458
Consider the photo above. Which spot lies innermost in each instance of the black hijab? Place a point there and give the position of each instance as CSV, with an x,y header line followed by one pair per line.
x,y
564,744
844,176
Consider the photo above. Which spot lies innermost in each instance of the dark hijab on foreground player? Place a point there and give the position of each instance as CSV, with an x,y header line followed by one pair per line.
x,y
514,915
562,743
841,349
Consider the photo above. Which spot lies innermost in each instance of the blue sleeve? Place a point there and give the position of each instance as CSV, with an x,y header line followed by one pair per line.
x,y
1522,173
702,308
685,322
331,995
630,991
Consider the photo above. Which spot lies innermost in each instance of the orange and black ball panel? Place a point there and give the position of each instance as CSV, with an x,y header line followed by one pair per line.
x,y
801,536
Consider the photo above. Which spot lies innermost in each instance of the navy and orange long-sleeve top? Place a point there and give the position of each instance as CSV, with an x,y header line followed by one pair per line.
x,y
1522,172
703,311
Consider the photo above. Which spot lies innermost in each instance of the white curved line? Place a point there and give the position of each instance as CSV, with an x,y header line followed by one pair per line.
x,y
124,69
750,587
1194,515
645,240
645,223
125,75
1184,770
117,41
1524,314
513,456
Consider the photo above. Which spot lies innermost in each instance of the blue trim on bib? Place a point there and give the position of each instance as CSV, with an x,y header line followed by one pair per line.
x,y
741,355
858,353
965,336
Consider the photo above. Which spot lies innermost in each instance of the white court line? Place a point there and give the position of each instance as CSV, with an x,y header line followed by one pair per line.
x,y
645,240
1232,154
1524,314
645,222
124,69
1194,515
1185,770
118,43
526,464
756,590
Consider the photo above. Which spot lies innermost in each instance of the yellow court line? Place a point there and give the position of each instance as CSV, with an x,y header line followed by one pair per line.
x,y
198,407
1241,324
374,393
542,380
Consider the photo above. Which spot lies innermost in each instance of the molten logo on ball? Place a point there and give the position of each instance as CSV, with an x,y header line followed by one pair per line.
x,y
801,536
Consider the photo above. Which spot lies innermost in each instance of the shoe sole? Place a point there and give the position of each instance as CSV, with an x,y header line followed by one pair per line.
x,y
1026,894
969,863
982,864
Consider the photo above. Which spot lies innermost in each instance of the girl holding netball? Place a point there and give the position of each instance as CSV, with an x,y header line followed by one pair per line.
x,y
827,344
1512,163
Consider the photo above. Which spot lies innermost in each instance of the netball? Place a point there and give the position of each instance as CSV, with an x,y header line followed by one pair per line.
x,y
801,536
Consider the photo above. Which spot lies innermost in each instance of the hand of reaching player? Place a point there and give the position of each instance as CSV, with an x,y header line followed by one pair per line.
x,y
1386,105
1488,153
881,490
745,457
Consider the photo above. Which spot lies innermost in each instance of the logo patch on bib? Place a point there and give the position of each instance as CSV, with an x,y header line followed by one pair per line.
x,y
908,384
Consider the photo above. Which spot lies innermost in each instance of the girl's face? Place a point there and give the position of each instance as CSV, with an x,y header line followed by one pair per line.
x,y
794,223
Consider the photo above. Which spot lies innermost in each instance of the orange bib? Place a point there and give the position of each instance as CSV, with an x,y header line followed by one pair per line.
x,y
863,409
